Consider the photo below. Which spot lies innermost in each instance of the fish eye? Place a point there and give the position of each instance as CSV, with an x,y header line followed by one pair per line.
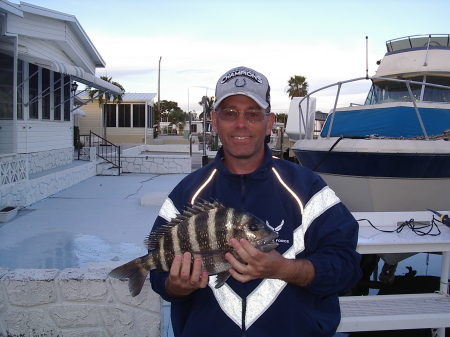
x,y
253,227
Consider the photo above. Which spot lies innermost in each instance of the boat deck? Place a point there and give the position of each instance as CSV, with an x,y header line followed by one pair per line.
x,y
406,311
394,312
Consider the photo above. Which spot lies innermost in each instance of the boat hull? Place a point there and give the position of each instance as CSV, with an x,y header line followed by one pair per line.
x,y
382,175
382,165
374,194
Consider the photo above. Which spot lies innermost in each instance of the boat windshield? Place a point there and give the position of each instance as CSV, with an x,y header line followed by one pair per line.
x,y
418,41
390,91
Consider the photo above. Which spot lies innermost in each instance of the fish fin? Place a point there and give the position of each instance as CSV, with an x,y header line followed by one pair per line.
x,y
206,205
152,240
135,271
221,279
213,261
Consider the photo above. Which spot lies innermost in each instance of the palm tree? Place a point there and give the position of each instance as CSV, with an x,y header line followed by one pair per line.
x,y
297,86
177,117
105,96
209,107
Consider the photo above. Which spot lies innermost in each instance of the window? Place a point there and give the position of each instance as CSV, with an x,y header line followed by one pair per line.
x,y
389,91
20,90
124,115
67,86
435,94
57,96
150,115
138,115
110,113
33,91
6,86
45,93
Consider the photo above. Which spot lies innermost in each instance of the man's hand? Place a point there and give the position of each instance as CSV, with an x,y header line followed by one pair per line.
x,y
272,264
185,277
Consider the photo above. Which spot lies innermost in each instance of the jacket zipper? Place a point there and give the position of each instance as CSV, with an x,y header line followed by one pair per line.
x,y
243,192
244,293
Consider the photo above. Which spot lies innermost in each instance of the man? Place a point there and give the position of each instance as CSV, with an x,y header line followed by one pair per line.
x,y
290,291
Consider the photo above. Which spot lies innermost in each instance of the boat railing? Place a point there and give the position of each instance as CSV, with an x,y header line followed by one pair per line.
x,y
304,118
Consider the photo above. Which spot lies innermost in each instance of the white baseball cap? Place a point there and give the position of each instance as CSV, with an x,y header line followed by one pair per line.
x,y
243,81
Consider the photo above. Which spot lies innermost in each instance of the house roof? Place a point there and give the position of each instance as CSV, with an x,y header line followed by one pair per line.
x,y
138,96
72,21
52,40
128,96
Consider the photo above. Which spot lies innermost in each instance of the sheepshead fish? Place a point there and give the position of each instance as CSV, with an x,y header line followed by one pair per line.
x,y
204,230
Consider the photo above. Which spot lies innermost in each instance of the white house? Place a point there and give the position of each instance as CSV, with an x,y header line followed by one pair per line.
x,y
42,53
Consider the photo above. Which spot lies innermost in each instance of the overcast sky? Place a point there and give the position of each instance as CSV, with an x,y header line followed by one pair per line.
x,y
198,41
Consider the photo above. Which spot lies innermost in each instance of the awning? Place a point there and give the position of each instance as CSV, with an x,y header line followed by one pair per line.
x,y
58,67
98,83
78,74
79,111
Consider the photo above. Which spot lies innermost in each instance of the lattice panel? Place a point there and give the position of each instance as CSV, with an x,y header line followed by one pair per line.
x,y
13,171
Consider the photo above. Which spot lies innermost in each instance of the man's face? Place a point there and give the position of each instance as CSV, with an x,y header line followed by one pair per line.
x,y
240,138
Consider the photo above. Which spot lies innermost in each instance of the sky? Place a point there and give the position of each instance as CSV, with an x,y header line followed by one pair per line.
x,y
198,41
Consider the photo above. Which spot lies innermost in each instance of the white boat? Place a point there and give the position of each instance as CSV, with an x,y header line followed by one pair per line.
x,y
392,153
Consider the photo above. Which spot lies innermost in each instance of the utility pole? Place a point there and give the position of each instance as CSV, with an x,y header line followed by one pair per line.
x,y
159,84
205,156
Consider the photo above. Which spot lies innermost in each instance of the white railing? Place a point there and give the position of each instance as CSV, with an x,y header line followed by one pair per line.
x,y
13,171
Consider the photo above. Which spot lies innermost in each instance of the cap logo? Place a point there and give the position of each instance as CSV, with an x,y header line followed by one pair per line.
x,y
247,73
243,81
240,86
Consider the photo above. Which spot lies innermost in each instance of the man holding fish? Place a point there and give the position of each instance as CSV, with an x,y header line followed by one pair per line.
x,y
282,284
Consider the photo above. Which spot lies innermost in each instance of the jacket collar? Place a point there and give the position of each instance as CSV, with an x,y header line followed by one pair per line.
x,y
260,173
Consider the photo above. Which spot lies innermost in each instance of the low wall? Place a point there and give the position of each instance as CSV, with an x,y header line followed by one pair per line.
x,y
135,160
74,302
44,184
46,160
157,164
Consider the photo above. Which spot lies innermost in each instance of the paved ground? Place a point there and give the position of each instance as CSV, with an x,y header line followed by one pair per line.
x,y
98,220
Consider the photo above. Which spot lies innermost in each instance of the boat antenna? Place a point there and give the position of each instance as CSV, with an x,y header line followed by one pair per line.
x,y
367,57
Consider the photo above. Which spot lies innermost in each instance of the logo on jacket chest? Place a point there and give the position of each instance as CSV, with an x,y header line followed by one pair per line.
x,y
277,230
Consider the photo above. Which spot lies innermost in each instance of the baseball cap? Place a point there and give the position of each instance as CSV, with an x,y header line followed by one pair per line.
x,y
243,81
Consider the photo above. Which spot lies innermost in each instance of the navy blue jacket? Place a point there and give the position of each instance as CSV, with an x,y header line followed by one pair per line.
x,y
311,222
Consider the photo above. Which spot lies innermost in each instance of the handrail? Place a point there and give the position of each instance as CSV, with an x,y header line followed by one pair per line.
x,y
428,49
417,110
339,85
107,150
305,123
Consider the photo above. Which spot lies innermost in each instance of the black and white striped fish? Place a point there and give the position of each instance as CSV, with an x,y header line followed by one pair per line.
x,y
204,230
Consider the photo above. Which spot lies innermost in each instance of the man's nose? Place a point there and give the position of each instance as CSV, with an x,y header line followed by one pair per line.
x,y
241,119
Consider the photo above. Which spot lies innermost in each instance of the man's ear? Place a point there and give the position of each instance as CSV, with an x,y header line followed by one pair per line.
x,y
270,123
214,121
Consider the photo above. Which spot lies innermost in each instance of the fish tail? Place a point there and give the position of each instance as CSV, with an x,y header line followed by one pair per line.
x,y
136,271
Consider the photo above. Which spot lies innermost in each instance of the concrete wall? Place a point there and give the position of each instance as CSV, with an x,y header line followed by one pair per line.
x,y
74,302
160,161
46,160
157,164
43,184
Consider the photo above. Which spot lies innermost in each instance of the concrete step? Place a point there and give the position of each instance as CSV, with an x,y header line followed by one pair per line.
x,y
107,169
